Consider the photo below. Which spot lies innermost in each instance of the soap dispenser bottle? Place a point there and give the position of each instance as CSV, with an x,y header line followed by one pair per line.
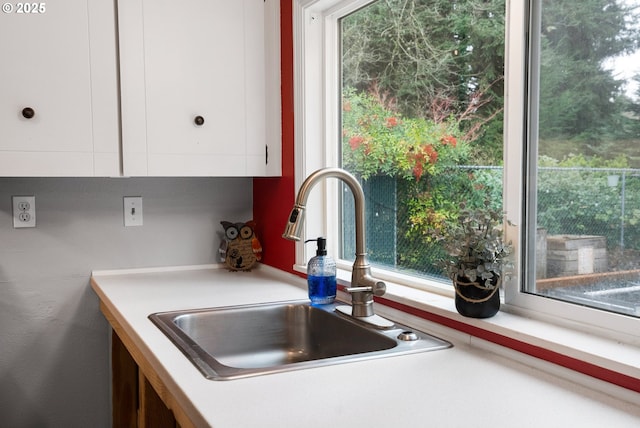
x,y
321,275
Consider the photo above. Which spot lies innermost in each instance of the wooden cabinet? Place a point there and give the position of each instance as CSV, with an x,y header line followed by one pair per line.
x,y
58,89
200,87
139,398
136,404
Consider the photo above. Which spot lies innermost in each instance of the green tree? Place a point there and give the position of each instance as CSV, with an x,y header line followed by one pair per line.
x,y
580,99
434,59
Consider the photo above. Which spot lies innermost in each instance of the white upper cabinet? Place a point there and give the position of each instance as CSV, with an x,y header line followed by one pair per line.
x,y
200,87
58,89
199,91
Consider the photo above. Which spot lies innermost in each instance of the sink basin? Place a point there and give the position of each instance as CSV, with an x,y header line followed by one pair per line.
x,y
240,341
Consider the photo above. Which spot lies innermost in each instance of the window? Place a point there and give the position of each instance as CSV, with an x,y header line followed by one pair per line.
x,y
582,238
421,122
411,97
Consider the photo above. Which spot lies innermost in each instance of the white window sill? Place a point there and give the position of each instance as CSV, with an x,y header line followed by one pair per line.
x,y
595,361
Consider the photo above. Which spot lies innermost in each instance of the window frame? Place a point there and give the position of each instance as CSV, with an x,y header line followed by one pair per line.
x,y
317,77
521,106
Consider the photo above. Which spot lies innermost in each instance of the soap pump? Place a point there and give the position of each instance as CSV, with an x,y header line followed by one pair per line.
x,y
321,275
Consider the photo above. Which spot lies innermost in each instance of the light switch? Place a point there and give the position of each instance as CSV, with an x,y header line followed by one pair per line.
x,y
133,211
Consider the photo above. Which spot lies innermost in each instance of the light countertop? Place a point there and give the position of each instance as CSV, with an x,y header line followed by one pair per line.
x,y
457,387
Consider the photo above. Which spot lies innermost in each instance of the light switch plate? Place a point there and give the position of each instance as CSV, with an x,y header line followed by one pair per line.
x,y
133,211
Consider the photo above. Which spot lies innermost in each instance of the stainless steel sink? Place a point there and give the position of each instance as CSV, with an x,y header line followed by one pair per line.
x,y
250,340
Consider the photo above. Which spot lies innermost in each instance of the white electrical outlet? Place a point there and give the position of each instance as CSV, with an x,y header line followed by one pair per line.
x,y
24,211
133,211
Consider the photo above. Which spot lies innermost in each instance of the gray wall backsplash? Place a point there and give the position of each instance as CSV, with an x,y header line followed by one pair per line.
x,y
54,342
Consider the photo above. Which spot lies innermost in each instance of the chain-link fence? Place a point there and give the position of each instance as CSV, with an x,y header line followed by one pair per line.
x,y
570,201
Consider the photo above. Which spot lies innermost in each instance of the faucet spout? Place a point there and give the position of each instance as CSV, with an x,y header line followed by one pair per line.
x,y
363,285
292,229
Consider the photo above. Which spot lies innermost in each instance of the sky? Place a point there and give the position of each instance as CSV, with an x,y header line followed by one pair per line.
x,y
625,67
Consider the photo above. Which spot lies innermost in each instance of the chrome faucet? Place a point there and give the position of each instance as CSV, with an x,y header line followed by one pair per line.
x,y
363,285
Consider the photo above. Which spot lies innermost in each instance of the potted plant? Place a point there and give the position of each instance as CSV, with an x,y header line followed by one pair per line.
x,y
477,259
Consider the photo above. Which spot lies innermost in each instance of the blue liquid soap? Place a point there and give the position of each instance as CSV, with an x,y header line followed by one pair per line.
x,y
322,289
321,276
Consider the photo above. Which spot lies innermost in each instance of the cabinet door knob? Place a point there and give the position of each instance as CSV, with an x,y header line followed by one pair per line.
x,y
199,120
28,112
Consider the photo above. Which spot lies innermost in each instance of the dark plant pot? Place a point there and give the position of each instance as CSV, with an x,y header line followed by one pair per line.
x,y
474,301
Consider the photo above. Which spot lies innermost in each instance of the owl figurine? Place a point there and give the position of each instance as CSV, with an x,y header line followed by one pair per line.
x,y
240,248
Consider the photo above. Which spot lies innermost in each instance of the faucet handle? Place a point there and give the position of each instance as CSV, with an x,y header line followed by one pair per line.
x,y
378,289
358,289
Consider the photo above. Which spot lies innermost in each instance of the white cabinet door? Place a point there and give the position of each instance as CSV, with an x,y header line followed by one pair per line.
x,y
58,89
200,87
